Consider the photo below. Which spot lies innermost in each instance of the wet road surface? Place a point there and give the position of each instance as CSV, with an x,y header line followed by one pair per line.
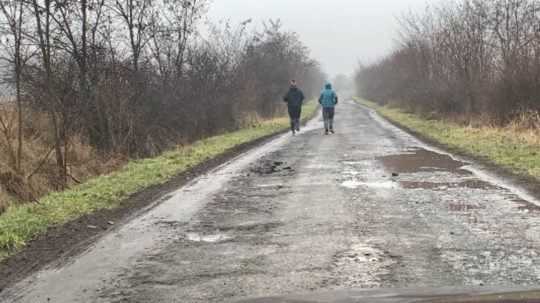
x,y
368,207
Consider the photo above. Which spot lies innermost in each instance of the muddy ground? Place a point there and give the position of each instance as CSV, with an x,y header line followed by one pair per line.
x,y
368,207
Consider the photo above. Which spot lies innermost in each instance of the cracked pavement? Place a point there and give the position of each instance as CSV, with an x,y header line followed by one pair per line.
x,y
368,207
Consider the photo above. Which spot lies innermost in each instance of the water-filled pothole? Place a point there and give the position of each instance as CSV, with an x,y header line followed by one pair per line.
x,y
417,160
216,238
442,186
353,184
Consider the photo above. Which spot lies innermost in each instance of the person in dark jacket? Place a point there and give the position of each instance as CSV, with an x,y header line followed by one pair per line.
x,y
328,101
294,99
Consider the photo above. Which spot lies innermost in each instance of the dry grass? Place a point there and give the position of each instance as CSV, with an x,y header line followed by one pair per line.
x,y
38,170
4,201
20,223
38,175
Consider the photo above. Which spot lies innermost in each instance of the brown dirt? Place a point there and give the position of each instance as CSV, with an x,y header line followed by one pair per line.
x,y
60,243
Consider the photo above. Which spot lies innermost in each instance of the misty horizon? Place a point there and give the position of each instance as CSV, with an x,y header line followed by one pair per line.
x,y
357,31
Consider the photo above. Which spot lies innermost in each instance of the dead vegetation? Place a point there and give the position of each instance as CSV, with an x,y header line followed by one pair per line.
x,y
37,175
476,62
95,82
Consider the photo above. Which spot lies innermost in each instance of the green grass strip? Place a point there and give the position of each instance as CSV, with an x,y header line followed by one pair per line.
x,y
21,223
506,147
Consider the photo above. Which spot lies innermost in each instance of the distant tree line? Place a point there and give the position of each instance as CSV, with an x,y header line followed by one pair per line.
x,y
134,77
472,58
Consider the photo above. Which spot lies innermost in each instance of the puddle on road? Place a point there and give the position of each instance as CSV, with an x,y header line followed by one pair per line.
x,y
353,184
196,237
417,160
422,160
351,172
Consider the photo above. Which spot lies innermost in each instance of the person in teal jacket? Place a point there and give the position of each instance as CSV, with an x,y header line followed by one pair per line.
x,y
328,101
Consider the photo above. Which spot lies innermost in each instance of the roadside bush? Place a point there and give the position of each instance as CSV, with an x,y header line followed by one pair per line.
x,y
474,59
93,83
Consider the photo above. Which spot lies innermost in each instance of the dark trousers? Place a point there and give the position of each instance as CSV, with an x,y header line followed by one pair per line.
x,y
294,113
328,116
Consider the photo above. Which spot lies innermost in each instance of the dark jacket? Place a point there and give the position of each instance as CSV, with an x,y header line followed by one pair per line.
x,y
294,97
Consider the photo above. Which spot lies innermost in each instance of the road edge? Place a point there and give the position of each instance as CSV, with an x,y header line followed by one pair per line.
x,y
528,183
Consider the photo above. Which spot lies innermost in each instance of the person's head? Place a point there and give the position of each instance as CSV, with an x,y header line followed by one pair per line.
x,y
293,83
328,85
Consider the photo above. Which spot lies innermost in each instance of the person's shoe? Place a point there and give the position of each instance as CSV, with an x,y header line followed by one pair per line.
x,y
332,131
293,133
326,132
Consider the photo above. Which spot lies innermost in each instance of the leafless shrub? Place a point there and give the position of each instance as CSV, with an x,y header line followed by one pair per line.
x,y
469,57
125,78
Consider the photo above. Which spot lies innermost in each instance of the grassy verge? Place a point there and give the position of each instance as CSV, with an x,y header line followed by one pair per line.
x,y
515,149
19,224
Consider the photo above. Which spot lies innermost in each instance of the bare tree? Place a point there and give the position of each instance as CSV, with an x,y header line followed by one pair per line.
x,y
468,57
130,78
135,15
16,56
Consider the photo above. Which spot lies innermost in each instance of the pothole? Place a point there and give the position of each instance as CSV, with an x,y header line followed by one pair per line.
x,y
417,160
463,207
257,227
353,184
442,186
271,167
526,206
215,238
361,266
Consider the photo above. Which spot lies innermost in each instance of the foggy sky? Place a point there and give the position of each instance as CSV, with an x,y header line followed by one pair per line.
x,y
338,32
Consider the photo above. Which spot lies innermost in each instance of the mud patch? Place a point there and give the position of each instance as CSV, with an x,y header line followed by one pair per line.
x,y
442,186
267,167
417,160
262,227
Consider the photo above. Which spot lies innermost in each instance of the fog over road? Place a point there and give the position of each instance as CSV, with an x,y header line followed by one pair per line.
x,y
368,207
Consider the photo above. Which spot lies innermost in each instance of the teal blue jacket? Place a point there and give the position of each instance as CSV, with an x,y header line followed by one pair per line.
x,y
328,97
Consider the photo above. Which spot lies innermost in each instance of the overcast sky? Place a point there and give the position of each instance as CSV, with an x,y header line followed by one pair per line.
x,y
338,32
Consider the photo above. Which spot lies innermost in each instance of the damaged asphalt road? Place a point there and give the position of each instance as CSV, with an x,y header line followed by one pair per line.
x,y
368,207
